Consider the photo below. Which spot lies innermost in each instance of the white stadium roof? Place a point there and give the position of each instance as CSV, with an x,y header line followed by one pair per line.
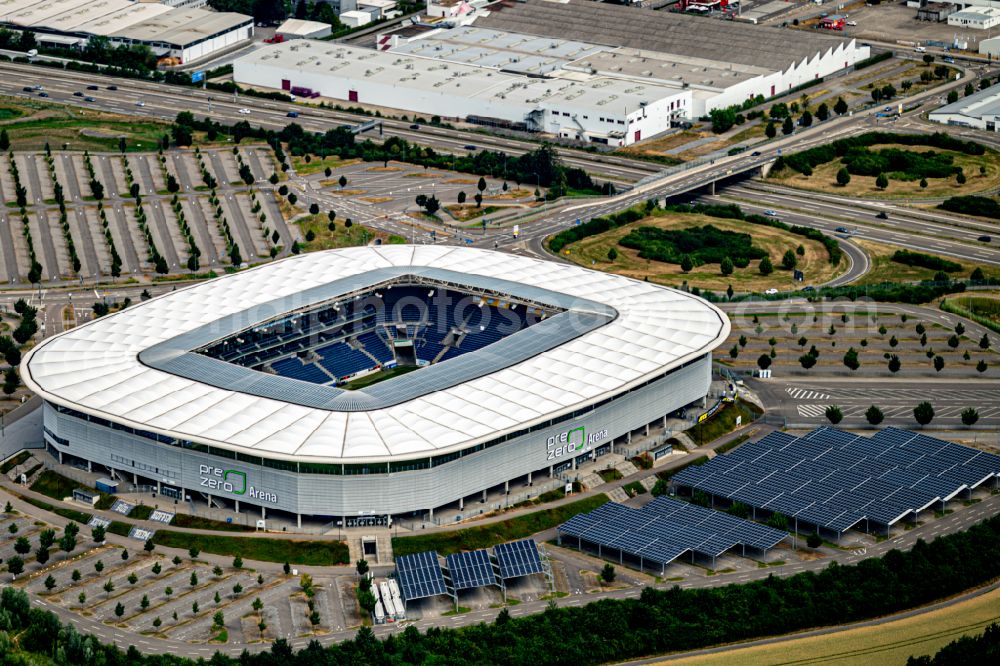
x,y
95,368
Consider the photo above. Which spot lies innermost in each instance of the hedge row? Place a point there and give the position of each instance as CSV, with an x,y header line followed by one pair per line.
x,y
807,160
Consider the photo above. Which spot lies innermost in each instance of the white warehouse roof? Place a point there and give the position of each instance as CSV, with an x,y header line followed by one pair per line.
x,y
302,28
426,74
95,367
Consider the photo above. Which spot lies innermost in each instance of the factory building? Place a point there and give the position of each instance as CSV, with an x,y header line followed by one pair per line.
x,y
183,32
594,108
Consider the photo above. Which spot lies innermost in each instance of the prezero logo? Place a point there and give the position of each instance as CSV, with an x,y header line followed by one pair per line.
x,y
219,479
572,441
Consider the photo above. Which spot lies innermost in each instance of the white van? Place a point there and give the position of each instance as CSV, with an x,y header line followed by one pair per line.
x,y
920,49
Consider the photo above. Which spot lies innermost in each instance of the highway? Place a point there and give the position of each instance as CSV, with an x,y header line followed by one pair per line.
x,y
164,102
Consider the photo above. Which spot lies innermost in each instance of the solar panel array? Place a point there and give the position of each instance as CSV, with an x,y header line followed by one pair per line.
x,y
666,528
472,569
518,558
420,575
835,480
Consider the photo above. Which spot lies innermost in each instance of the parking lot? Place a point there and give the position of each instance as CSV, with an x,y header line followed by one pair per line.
x,y
174,196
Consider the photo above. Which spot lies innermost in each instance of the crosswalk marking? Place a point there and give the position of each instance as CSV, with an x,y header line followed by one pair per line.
x,y
806,394
811,411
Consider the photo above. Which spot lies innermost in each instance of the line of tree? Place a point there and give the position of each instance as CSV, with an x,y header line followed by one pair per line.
x,y
972,205
656,622
929,261
979,648
540,167
805,161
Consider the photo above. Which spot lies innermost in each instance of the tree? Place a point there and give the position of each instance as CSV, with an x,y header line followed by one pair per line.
x,y
969,416
787,126
97,534
193,552
167,591
778,521
218,620
124,554
612,254
686,264
608,573
923,413
433,205
789,260
156,569
22,546
960,178
217,570
984,342
834,414
843,177
342,181
822,112
4,140
881,181
292,198
806,119
68,542
194,608
149,546
876,95
98,566
237,562
15,565
888,91
742,341
969,89
763,361
76,576
478,197
938,363
874,415
132,578
42,555
840,108
287,568
144,602
770,131
807,361
814,540
314,209
82,598
894,364
765,267
194,578
726,266
953,341
237,589
50,582
119,609
109,587
952,96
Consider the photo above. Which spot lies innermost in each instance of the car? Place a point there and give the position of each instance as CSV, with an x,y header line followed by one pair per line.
x,y
882,215
920,49
89,99
808,288
755,153
414,126
852,24
92,87
771,213
140,103
245,111
37,87
949,60
112,87
887,109
28,89
43,94
470,147
771,292
292,114
78,94
985,239
842,230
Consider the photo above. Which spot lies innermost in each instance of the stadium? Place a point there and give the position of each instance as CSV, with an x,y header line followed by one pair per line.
x,y
373,381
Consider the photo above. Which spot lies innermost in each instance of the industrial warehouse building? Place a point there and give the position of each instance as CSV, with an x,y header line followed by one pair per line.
x,y
235,391
980,110
184,32
595,108
580,70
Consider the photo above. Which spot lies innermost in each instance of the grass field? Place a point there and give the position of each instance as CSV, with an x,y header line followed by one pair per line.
x,y
592,252
341,236
890,643
723,421
984,307
883,269
198,523
310,553
491,534
463,212
824,178
30,124
316,164
377,377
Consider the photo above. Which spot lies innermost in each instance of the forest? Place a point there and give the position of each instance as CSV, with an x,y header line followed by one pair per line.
x,y
657,622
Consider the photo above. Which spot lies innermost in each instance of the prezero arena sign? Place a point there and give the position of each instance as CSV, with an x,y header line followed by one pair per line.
x,y
572,441
232,481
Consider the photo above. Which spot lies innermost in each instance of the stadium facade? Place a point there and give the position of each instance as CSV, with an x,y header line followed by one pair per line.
x,y
239,390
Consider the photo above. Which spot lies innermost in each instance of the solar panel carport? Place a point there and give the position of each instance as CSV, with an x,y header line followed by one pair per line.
x,y
664,530
835,481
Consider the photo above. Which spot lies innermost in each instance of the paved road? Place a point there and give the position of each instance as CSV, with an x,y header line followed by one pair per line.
x,y
166,101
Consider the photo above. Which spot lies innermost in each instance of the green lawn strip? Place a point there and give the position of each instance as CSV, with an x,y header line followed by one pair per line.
x,y
57,486
120,528
15,461
69,514
198,523
308,553
491,534
141,512
723,421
